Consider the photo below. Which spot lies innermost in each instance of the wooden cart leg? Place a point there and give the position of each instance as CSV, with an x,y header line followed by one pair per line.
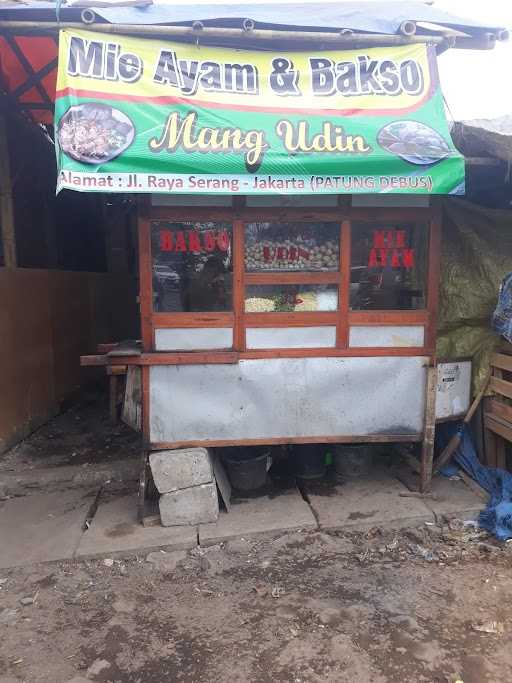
x,y
427,447
112,398
143,481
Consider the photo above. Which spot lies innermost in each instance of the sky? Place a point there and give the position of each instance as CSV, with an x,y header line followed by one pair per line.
x,y
476,83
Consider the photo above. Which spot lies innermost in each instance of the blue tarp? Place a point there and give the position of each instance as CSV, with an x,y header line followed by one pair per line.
x,y
502,316
364,17
497,516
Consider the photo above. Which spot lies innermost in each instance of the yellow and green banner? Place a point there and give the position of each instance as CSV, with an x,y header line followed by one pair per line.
x,y
138,115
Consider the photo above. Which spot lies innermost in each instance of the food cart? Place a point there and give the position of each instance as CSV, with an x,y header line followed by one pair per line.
x,y
278,306
289,225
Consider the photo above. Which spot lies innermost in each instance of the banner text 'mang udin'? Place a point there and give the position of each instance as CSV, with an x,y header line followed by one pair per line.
x,y
324,77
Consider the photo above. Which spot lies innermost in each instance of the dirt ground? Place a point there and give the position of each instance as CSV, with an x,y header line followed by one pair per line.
x,y
376,607
422,606
82,435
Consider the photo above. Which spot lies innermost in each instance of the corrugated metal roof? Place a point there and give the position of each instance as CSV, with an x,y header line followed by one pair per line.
x,y
485,137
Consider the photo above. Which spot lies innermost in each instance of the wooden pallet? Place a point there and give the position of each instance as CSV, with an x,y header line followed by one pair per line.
x,y
498,409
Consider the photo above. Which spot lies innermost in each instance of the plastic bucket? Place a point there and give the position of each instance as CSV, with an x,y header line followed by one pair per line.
x,y
309,461
353,461
247,470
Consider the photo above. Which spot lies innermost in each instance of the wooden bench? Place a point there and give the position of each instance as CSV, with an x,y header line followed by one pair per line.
x,y
114,372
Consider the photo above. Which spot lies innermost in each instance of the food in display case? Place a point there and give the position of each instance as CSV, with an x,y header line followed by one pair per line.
x,y
287,298
259,304
288,247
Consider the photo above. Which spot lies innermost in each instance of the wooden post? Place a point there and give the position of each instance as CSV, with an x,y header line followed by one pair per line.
x,y
113,398
146,437
6,205
427,448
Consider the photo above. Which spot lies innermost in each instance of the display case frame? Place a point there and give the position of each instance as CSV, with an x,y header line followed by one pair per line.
x,y
240,321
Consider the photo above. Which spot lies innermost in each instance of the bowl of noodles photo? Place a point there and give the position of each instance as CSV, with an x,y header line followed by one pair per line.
x,y
414,142
94,133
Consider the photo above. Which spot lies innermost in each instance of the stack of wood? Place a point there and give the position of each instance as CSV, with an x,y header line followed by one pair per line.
x,y
498,408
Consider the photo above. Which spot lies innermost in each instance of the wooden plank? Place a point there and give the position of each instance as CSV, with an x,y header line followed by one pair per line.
x,y
342,331
112,398
500,360
501,410
288,214
501,386
490,441
447,453
366,438
239,285
497,426
7,226
501,454
89,361
116,369
297,278
106,348
145,404
145,283
291,319
222,479
181,358
226,357
132,404
188,320
433,276
489,438
427,449
420,317
143,484
334,353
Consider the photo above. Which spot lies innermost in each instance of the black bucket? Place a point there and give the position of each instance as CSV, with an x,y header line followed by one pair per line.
x,y
309,461
247,469
353,461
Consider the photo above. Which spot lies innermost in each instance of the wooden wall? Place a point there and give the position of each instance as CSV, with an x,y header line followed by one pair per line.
x,y
48,318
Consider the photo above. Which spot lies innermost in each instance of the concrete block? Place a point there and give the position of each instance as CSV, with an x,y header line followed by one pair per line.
x,y
195,505
180,469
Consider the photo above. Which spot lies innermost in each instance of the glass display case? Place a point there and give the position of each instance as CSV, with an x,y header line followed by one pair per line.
x,y
351,285
285,247
192,268
388,268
